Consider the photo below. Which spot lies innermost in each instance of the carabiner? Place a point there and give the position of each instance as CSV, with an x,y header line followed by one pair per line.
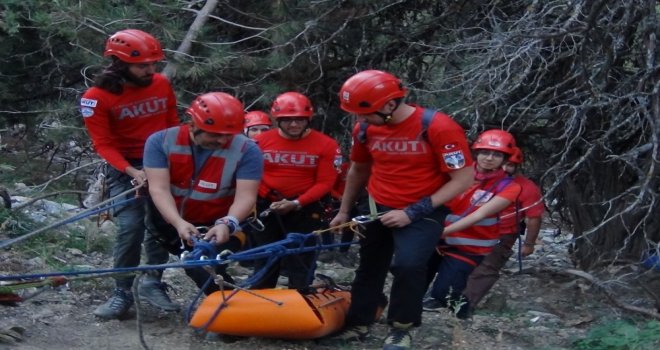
x,y
264,214
364,219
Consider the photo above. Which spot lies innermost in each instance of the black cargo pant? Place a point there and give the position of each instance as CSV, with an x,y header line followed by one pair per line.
x,y
300,267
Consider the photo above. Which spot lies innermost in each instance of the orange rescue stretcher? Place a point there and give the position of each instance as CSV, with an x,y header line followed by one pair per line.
x,y
273,313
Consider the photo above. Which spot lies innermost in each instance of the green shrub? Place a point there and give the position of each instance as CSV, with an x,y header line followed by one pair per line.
x,y
622,335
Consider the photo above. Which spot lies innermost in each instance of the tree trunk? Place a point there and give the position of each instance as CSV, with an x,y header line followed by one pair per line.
x,y
184,49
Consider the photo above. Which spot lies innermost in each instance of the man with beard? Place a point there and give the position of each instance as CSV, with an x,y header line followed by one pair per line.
x,y
299,169
205,174
128,102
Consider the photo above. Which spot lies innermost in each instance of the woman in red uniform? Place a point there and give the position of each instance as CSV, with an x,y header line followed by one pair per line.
x,y
529,215
474,227
256,122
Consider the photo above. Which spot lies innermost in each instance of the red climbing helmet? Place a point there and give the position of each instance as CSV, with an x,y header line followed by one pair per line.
x,y
134,46
517,156
292,104
257,118
217,112
367,91
496,140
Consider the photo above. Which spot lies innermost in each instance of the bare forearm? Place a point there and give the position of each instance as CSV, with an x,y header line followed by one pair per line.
x,y
355,182
489,209
165,204
241,208
244,200
533,229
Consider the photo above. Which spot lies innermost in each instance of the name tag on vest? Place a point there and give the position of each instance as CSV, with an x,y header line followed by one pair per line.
x,y
207,185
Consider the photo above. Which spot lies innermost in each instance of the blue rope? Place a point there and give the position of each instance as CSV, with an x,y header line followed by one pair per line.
x,y
197,257
273,251
77,217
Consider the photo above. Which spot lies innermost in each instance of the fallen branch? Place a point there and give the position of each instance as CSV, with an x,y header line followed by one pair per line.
x,y
53,194
43,186
92,210
601,286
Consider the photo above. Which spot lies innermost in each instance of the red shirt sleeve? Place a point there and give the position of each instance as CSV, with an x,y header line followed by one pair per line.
x,y
530,198
98,127
326,174
172,115
451,147
511,193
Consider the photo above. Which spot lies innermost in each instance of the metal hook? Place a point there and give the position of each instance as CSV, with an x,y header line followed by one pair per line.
x,y
364,219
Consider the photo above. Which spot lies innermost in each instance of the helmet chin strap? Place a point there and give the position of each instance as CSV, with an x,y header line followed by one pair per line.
x,y
388,116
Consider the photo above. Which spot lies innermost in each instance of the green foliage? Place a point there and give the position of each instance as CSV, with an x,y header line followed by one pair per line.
x,y
9,23
622,335
52,246
15,223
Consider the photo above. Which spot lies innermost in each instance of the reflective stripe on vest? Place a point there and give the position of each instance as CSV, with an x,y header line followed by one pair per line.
x,y
219,191
482,222
479,238
471,241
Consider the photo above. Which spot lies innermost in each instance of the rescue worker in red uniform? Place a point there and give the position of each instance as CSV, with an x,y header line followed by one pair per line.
x,y
410,173
128,102
204,174
530,213
298,171
474,227
256,122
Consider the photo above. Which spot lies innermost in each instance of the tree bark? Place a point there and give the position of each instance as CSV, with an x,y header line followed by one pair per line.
x,y
184,49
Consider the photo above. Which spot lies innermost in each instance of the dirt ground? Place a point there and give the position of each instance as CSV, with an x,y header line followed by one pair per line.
x,y
538,309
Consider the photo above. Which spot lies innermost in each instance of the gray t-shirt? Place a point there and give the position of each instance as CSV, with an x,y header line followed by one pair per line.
x,y
250,167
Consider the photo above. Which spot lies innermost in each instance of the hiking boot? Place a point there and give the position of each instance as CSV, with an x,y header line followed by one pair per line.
x,y
399,337
155,293
465,311
116,306
351,334
433,305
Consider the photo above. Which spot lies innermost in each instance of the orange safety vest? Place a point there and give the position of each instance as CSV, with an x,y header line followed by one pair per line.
x,y
480,238
204,197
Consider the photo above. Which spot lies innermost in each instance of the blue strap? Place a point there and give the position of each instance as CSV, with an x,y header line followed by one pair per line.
x,y
427,118
362,134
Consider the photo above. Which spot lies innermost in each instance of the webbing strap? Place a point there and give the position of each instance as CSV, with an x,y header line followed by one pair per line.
x,y
373,210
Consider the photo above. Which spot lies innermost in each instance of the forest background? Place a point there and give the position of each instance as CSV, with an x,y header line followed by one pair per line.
x,y
576,82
